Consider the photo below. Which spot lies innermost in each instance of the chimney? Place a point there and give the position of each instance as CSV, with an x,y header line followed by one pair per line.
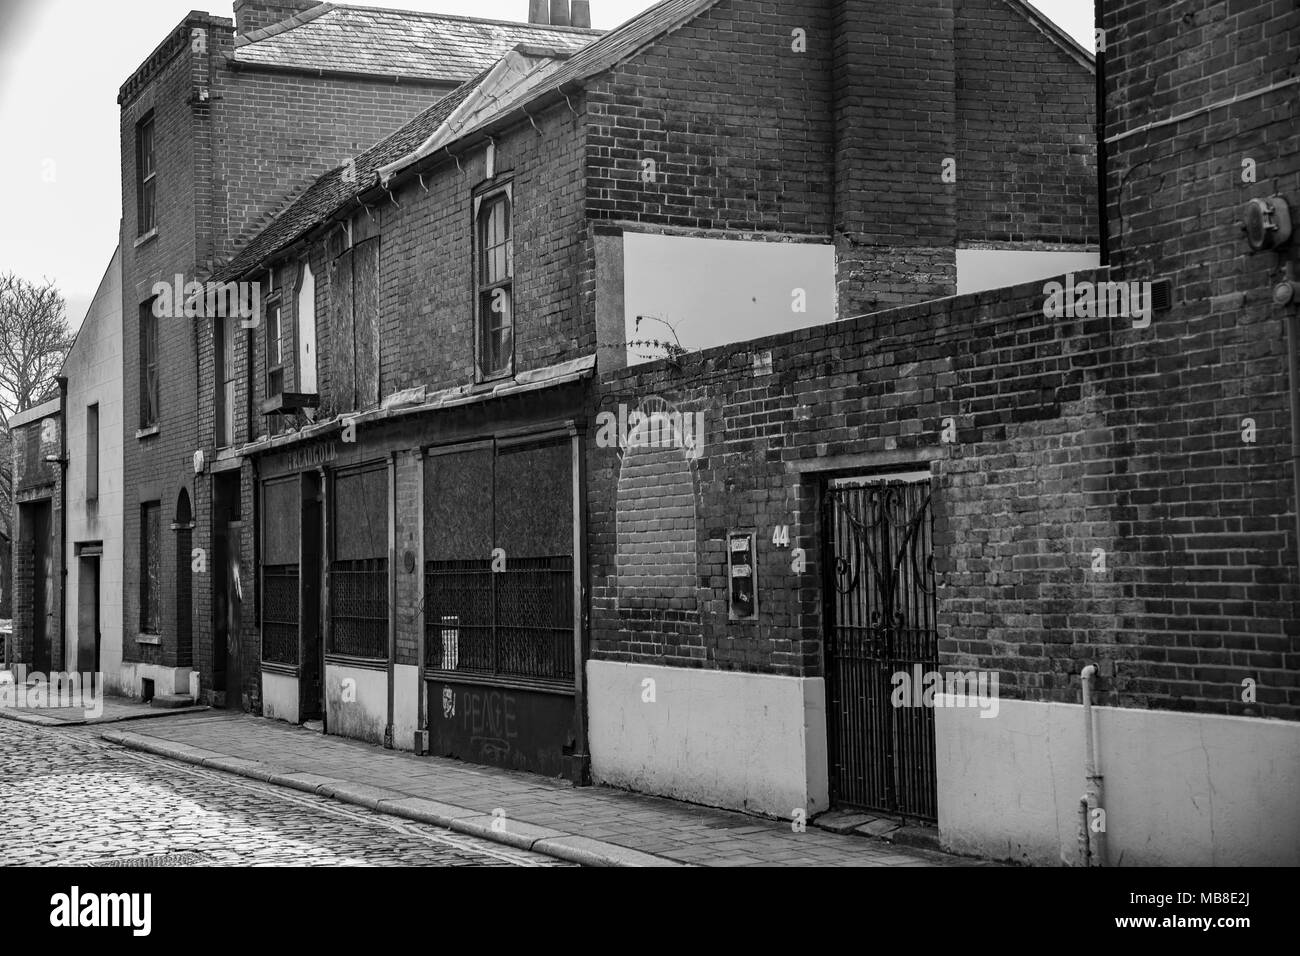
x,y
560,13
581,16
539,12
253,15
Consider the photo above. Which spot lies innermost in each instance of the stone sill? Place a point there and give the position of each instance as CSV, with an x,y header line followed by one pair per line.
x,y
153,639
149,236
143,433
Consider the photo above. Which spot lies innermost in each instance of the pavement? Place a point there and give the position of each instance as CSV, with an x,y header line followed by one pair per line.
x,y
112,710
592,826
68,798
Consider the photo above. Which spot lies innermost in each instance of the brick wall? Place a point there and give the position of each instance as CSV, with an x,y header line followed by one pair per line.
x,y
1026,114
1208,513
1039,476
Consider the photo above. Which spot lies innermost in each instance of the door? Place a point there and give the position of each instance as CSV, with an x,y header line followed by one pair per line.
x,y
227,592
43,591
879,617
88,622
311,685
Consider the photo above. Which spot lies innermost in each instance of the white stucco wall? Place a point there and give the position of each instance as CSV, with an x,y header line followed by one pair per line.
x,y
358,709
1178,790
94,372
280,699
749,742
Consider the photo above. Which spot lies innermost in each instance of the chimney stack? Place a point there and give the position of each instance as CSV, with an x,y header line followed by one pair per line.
x,y
581,15
539,12
559,13
253,15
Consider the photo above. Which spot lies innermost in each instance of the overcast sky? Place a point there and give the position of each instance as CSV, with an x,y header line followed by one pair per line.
x,y
61,64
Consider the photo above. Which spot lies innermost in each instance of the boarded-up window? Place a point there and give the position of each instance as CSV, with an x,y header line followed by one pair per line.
x,y
150,567
499,561
282,513
358,578
148,366
354,327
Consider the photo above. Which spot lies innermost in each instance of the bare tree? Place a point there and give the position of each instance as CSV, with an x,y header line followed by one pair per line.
x,y
34,339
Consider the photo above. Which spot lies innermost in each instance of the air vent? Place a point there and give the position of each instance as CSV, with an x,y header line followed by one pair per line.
x,y
1162,295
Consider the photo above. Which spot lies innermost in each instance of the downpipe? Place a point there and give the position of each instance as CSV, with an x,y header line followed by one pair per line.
x,y
1092,845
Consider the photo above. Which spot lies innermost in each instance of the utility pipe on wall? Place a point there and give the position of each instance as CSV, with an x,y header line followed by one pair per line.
x,y
1092,844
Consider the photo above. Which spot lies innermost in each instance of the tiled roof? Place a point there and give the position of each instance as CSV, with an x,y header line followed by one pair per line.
x,y
332,192
398,43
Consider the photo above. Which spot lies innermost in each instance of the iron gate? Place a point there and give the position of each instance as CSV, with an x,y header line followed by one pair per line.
x,y
880,621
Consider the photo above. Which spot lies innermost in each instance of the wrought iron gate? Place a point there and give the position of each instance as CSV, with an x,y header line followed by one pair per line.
x,y
880,621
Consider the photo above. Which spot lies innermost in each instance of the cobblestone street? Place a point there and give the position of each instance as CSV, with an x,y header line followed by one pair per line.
x,y
71,799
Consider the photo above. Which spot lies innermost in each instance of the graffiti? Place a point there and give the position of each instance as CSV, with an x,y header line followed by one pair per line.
x,y
448,703
488,718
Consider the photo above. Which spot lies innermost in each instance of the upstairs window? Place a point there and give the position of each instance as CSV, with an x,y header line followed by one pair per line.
x,y
494,274
92,452
148,366
274,351
145,177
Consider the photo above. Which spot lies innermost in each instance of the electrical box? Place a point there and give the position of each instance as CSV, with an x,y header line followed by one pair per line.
x,y
742,577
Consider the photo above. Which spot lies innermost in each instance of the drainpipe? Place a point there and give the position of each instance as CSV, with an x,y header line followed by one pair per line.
x,y
392,594
1293,371
63,516
1099,61
1092,845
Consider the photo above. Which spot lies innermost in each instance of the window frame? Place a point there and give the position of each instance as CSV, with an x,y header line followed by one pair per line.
x,y
92,452
150,374
274,370
146,175
147,549
487,199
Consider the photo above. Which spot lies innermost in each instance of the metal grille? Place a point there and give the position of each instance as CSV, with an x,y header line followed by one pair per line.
x,y
280,605
512,623
880,621
359,608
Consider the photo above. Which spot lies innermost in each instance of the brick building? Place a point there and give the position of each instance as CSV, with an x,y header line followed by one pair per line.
x,y
417,564
38,552
220,126
990,486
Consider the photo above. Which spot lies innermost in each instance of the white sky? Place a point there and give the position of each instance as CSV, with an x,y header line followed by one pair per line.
x,y
61,64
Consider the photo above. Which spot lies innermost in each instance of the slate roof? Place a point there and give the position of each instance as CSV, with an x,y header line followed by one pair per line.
x,y
331,192
396,43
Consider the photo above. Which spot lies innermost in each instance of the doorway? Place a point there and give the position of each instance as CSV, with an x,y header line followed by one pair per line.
x,y
88,613
880,621
311,684
227,592
35,528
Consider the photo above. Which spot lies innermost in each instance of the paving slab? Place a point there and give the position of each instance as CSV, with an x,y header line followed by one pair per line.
x,y
594,826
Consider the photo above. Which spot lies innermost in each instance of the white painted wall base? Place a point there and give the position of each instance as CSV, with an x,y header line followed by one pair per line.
x,y
752,742
280,697
406,705
1179,789
128,680
356,702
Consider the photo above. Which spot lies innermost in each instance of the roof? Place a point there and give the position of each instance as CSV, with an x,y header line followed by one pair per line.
x,y
340,186
395,43
332,192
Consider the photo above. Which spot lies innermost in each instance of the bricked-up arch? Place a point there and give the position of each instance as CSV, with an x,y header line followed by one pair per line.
x,y
655,513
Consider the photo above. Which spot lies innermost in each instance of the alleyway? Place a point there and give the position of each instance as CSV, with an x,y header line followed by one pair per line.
x,y
68,798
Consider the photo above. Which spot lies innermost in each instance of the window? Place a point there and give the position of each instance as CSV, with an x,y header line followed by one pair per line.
x,y
274,351
148,366
306,313
495,279
92,452
225,327
150,567
358,570
281,603
145,177
514,621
